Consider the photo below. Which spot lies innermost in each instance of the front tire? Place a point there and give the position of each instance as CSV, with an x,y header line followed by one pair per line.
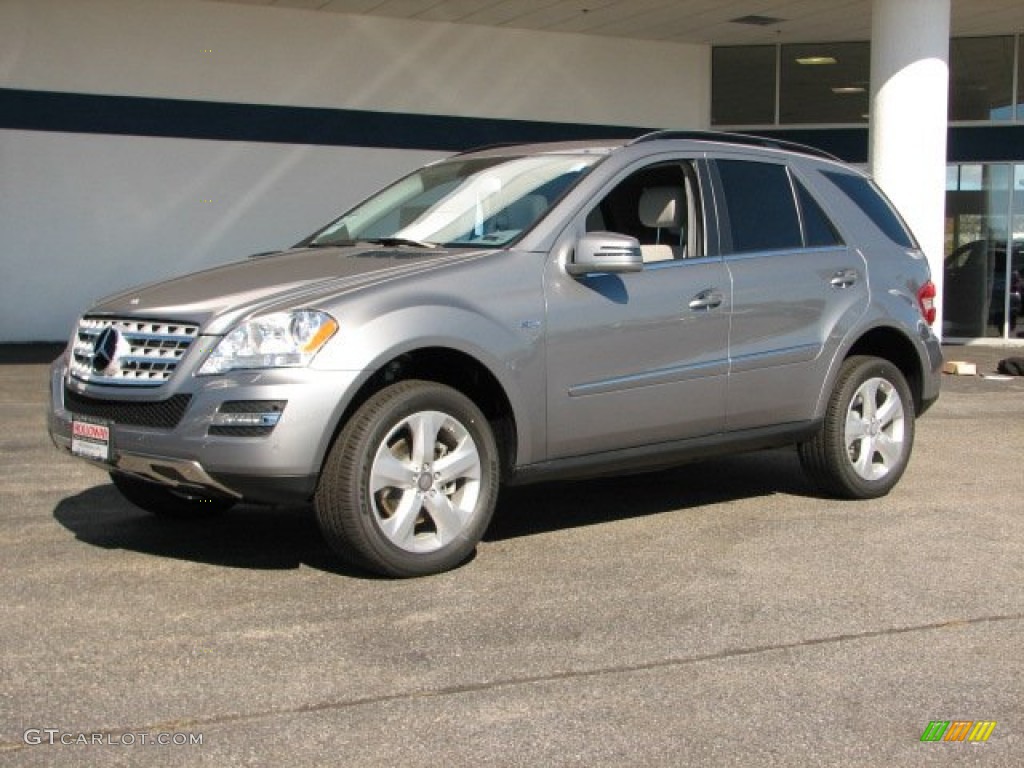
x,y
410,483
166,502
866,439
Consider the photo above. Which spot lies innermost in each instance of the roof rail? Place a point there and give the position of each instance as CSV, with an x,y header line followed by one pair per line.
x,y
744,139
485,147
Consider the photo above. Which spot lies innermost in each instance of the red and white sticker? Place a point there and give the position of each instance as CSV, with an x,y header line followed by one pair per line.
x,y
90,440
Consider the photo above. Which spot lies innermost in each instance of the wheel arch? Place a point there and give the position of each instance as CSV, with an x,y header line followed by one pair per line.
x,y
453,368
891,344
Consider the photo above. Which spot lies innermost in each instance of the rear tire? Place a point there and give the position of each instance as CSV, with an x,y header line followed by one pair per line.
x,y
410,483
167,502
866,439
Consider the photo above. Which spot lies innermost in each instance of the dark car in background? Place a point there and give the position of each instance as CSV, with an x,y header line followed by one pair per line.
x,y
975,288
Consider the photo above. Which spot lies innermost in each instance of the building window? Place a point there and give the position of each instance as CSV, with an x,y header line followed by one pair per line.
x,y
981,78
824,83
743,85
829,83
1020,79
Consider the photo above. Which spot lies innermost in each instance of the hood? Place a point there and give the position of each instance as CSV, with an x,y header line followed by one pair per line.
x,y
216,299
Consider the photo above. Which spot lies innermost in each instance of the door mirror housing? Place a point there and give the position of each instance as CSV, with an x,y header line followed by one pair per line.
x,y
605,252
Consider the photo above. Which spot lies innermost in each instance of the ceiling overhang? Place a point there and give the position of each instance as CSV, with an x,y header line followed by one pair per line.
x,y
712,22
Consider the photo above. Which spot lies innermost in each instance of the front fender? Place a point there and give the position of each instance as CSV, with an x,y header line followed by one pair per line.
x,y
510,349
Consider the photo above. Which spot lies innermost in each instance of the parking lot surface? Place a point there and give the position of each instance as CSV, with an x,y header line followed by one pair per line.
x,y
720,613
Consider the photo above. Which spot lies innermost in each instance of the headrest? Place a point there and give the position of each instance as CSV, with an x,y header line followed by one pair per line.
x,y
662,207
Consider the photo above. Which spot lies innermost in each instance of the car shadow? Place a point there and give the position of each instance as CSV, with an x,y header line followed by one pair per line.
x,y
247,536
282,538
533,509
30,354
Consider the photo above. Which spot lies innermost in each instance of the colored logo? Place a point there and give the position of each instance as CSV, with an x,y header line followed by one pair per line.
x,y
958,730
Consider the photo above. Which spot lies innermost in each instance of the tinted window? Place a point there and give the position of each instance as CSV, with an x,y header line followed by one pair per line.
x,y
869,199
1020,86
981,78
761,211
824,83
818,228
743,85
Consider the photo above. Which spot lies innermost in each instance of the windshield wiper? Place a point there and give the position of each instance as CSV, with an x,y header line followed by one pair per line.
x,y
388,241
399,241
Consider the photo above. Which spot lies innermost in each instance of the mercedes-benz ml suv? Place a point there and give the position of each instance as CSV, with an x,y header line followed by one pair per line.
x,y
511,315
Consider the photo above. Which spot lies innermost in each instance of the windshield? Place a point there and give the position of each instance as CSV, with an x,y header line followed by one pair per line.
x,y
472,202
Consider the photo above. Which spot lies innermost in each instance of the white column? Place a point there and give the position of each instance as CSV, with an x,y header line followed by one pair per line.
x,y
909,94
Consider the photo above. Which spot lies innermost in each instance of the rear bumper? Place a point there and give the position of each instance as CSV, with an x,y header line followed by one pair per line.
x,y
931,379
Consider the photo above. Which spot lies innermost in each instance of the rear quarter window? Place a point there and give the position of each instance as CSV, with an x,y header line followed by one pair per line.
x,y
869,198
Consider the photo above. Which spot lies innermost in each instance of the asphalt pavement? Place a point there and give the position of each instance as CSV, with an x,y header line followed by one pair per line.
x,y
718,614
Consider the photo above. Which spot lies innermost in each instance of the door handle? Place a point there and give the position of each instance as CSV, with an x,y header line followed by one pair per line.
x,y
706,300
844,278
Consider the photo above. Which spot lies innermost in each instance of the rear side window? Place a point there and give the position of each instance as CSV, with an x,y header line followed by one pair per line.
x,y
762,213
866,196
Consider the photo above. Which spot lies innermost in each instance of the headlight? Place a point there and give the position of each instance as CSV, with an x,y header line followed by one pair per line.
x,y
281,340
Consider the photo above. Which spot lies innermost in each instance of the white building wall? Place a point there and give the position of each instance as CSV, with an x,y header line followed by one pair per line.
x,y
82,215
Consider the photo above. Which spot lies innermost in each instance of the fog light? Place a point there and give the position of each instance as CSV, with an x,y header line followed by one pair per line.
x,y
247,418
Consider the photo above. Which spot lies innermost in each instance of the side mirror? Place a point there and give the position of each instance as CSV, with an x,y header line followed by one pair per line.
x,y
605,252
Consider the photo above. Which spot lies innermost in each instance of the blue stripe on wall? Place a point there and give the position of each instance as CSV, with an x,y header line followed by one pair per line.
x,y
182,119
965,144
986,144
176,118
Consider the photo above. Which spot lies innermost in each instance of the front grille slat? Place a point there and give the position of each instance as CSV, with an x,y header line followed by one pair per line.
x,y
144,353
164,414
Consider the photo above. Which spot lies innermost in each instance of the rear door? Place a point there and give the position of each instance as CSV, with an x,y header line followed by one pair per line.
x,y
797,288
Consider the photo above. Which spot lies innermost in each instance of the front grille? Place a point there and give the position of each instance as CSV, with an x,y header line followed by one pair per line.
x,y
125,352
165,414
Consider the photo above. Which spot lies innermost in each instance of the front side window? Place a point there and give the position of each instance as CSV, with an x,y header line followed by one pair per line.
x,y
658,205
472,202
760,212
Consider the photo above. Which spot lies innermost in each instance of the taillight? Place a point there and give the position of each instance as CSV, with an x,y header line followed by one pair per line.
x,y
926,300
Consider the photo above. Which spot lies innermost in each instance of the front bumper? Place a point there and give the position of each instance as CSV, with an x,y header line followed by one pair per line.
x,y
193,450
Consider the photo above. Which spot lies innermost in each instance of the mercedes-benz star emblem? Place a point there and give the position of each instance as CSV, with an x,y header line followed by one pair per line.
x,y
104,350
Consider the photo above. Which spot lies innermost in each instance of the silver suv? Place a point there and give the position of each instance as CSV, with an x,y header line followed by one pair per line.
x,y
511,315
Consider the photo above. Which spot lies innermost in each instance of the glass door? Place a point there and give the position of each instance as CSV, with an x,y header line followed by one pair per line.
x,y
984,249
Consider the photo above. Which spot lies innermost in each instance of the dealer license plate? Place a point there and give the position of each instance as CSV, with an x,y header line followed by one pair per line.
x,y
90,439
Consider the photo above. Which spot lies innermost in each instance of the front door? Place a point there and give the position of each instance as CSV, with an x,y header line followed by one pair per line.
x,y
639,358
